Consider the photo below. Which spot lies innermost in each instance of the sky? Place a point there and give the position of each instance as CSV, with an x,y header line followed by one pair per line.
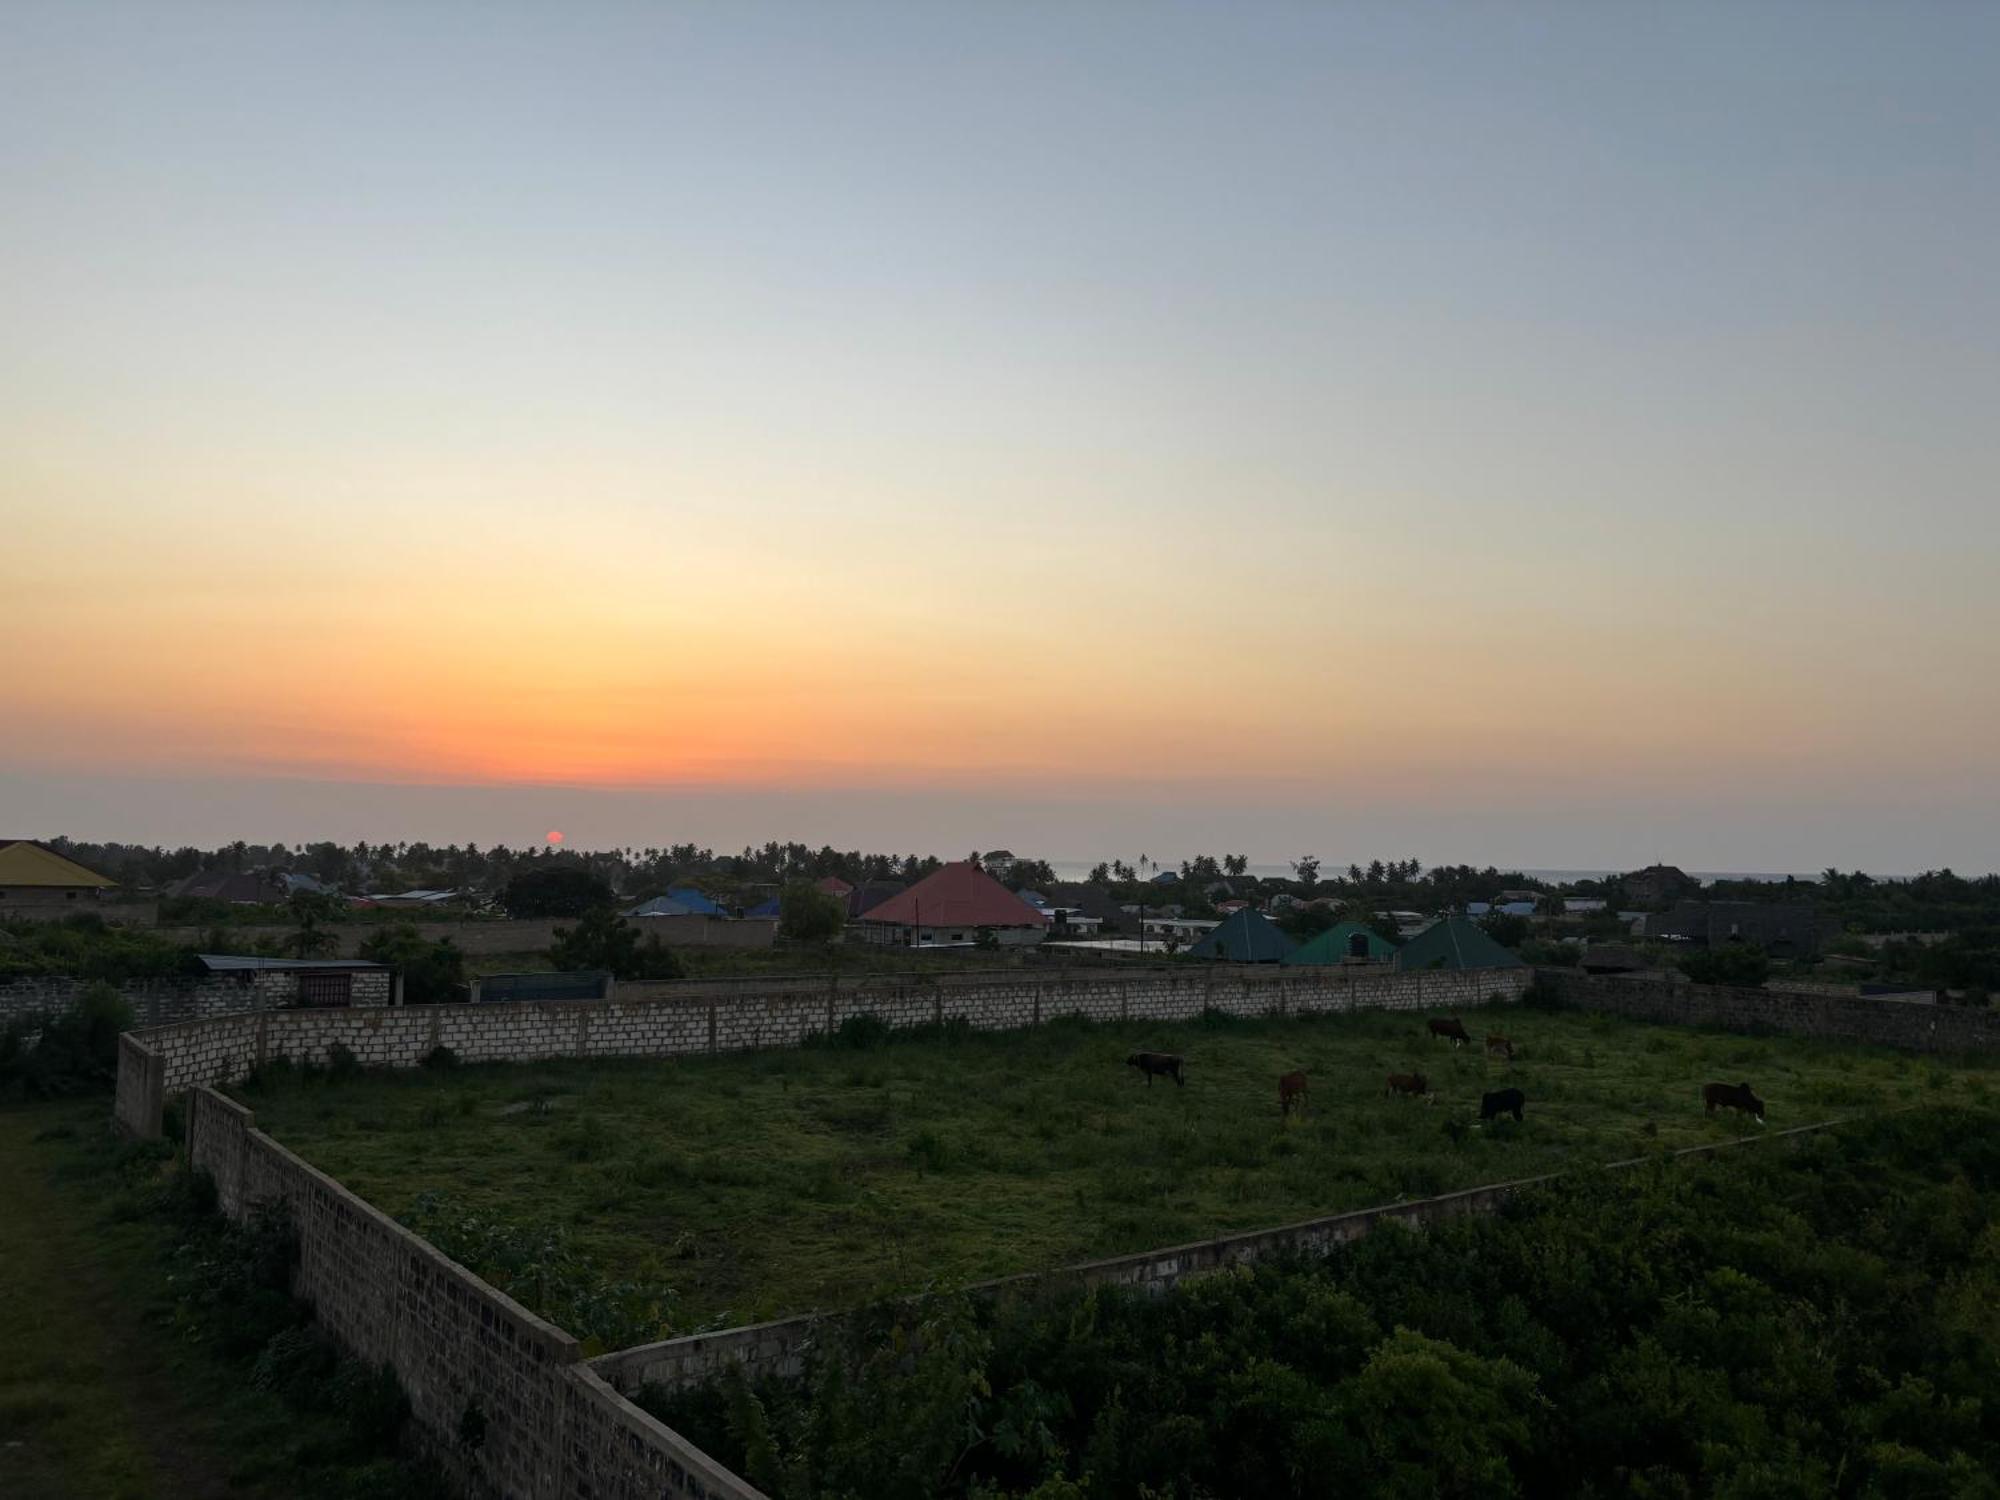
x,y
1554,435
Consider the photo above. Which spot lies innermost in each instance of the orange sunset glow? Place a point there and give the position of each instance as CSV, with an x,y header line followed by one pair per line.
x,y
489,449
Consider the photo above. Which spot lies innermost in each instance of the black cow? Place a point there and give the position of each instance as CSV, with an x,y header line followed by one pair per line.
x,y
1152,1063
1502,1102
1731,1096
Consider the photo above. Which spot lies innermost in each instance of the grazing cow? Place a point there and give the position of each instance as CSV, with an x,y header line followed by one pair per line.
x,y
1731,1096
1291,1090
1501,1045
1453,1030
1152,1063
1415,1085
1501,1102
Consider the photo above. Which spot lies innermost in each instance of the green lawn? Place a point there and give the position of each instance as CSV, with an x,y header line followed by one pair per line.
x,y
760,1185
109,1389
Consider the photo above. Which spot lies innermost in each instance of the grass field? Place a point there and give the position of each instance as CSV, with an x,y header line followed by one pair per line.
x,y
110,1389
764,1184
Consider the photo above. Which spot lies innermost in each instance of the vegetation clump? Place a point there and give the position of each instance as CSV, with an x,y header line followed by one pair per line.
x,y
1811,1319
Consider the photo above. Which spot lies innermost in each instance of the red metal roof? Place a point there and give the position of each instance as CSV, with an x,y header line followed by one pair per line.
x,y
957,895
833,885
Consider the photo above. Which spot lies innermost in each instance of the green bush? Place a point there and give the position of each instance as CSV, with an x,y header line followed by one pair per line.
x,y
1810,1319
73,1052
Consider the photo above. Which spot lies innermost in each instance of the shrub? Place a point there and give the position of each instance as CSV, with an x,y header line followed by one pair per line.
x,y
809,915
440,1059
862,1032
341,1062
73,1052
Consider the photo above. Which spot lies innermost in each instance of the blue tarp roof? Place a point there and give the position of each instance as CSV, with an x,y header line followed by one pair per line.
x,y
696,902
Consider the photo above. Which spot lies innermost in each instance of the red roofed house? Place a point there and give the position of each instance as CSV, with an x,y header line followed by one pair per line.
x,y
953,905
833,885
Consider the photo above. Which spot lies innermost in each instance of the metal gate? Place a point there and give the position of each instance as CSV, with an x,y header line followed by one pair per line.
x,y
316,990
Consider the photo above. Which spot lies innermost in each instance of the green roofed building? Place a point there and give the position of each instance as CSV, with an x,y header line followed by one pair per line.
x,y
1454,943
1245,937
1349,942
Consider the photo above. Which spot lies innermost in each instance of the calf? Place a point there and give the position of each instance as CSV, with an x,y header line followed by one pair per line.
x,y
1153,1063
1413,1084
1501,1102
1501,1046
1453,1030
1731,1096
1291,1090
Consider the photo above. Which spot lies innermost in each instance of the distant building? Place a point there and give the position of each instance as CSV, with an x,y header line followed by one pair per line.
x,y
696,902
1660,885
659,906
237,887
1454,943
416,898
1094,902
1349,944
1072,922
834,886
952,906
34,874
1784,929
1581,906
1171,928
307,983
870,894
1245,937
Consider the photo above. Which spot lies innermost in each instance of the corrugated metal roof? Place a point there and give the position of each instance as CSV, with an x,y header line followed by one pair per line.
x,y
236,963
27,863
957,895
1454,943
1332,946
661,906
1245,937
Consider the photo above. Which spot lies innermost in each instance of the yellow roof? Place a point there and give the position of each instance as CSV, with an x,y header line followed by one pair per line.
x,y
23,862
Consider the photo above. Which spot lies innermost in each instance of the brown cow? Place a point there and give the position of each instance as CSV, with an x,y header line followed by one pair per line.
x,y
1291,1090
1453,1030
1501,1045
1731,1096
1415,1085
1153,1063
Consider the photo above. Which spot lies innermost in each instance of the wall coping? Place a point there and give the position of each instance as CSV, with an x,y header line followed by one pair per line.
x,y
1211,1253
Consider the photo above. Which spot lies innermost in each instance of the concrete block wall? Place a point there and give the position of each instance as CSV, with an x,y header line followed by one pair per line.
x,y
553,1429
505,935
781,1348
1884,1022
141,1088
165,1001
691,1019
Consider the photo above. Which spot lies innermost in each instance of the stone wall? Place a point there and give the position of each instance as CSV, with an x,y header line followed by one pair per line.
x,y
1893,1023
554,1429
193,997
671,1020
781,1347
